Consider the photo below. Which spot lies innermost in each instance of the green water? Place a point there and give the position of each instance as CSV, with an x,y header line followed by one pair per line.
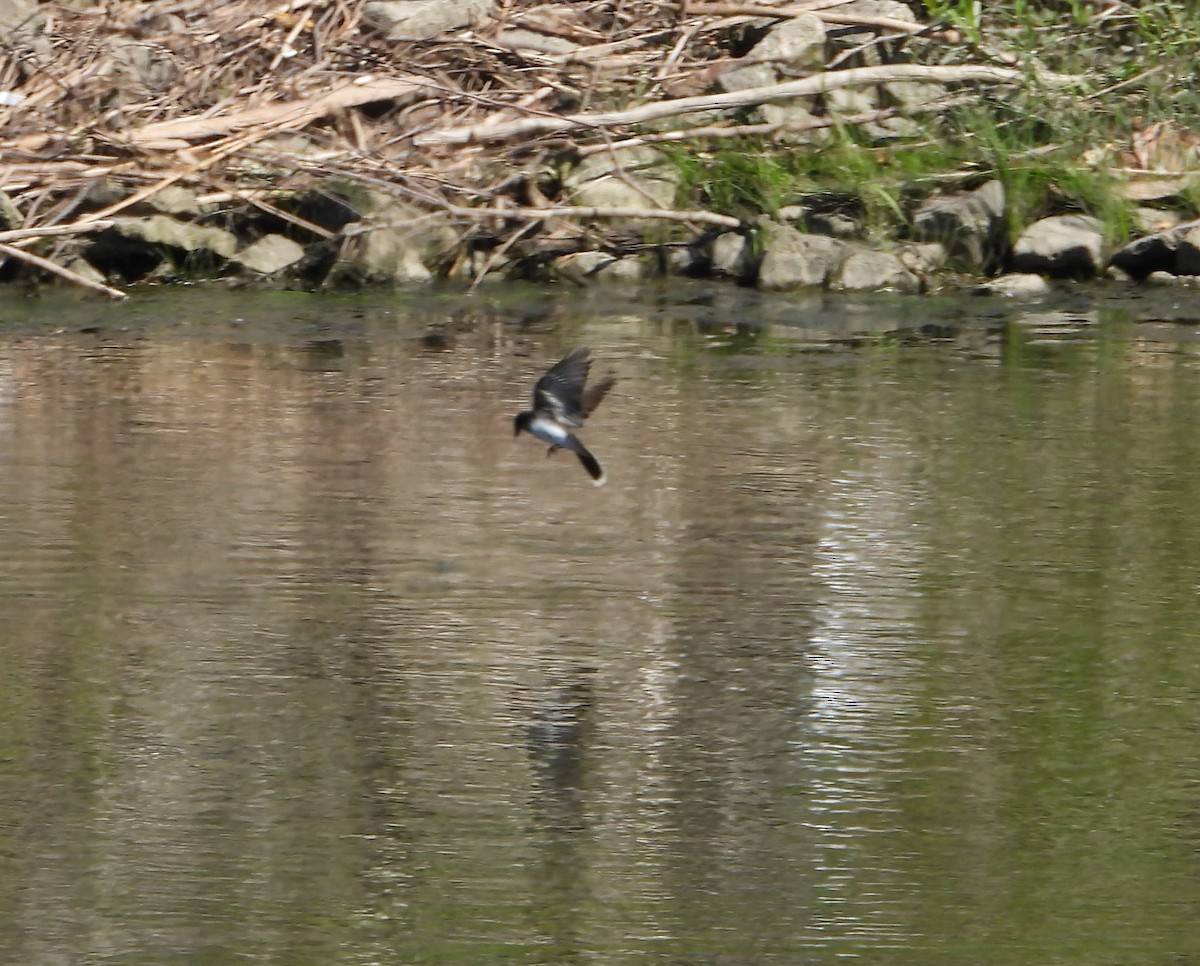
x,y
881,643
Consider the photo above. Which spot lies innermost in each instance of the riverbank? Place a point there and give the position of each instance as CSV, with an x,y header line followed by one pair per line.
x,y
858,145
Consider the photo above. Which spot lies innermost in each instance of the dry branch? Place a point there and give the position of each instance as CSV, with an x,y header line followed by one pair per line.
x,y
769,130
24,234
286,114
823,14
46,265
490,130
582,212
99,130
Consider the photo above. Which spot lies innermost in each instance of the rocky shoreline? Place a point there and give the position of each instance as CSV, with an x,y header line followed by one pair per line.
x,y
399,142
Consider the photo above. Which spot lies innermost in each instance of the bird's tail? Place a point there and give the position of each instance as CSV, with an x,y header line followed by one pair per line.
x,y
592,465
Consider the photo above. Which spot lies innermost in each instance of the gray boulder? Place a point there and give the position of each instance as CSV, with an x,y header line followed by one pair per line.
x,y
163,230
1015,286
744,77
270,255
866,270
1062,246
394,242
1167,280
794,260
792,48
851,100
174,200
594,266
17,13
154,66
923,258
852,36
1175,251
792,114
518,39
732,255
10,214
422,19
970,224
636,178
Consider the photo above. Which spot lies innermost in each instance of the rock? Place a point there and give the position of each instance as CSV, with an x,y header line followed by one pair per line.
x,y
836,224
731,255
1187,256
851,100
390,251
1174,250
866,270
792,48
155,67
394,242
851,36
892,9
590,266
157,246
185,236
637,178
422,19
518,39
17,13
10,215
909,94
1062,246
1015,286
794,260
893,128
1150,220
1156,185
969,224
923,258
172,200
82,267
1168,280
387,253
796,114
744,78
685,260
270,254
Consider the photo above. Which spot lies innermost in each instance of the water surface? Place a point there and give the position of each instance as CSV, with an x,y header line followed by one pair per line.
x,y
880,643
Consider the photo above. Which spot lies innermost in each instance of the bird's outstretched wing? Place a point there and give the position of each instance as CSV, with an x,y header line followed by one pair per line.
x,y
592,395
561,394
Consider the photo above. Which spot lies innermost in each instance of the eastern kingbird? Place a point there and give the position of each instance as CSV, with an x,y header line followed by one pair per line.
x,y
560,404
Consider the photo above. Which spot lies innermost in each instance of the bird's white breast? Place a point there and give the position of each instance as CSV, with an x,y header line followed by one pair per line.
x,y
550,431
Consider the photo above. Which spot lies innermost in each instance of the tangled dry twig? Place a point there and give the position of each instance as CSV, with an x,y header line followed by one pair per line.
x,y
227,97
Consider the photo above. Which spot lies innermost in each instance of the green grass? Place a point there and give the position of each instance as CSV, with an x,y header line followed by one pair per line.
x,y
1137,66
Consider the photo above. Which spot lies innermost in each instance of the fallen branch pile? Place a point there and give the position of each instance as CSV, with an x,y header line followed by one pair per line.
x,y
251,104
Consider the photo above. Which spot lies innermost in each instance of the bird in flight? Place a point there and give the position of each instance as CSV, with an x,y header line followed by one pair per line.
x,y
561,403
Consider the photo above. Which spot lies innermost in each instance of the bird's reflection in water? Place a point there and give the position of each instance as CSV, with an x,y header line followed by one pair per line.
x,y
557,728
557,719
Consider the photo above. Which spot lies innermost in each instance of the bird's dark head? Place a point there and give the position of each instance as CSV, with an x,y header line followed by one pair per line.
x,y
521,422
